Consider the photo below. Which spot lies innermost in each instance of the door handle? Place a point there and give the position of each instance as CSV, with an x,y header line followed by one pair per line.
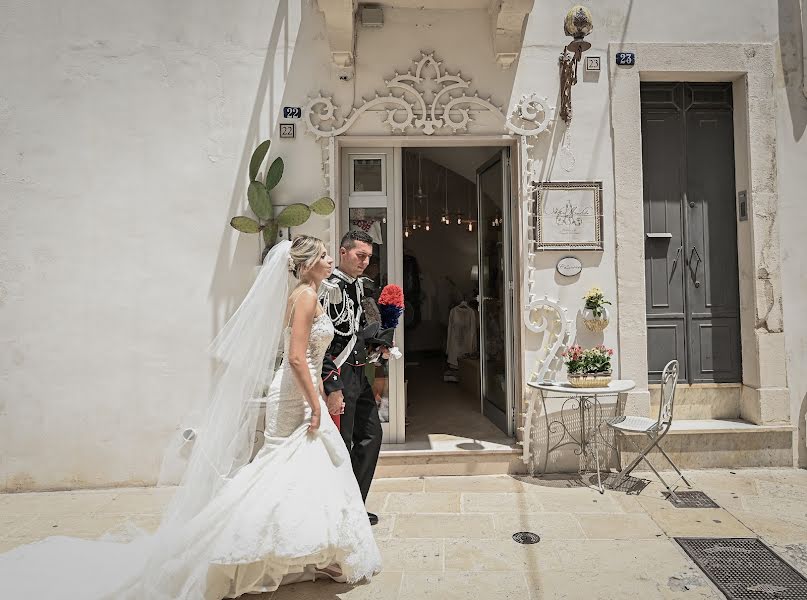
x,y
694,252
675,260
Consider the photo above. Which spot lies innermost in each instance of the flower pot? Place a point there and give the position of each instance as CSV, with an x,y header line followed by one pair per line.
x,y
589,380
593,323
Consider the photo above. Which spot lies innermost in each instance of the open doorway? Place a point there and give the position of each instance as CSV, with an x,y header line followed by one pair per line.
x,y
455,262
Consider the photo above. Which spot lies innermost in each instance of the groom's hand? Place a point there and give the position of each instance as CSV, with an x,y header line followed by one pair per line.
x,y
335,402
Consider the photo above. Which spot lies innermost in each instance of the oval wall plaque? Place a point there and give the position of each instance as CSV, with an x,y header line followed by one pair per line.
x,y
569,266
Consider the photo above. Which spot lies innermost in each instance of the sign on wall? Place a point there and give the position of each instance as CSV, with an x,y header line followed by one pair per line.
x,y
287,130
569,266
568,215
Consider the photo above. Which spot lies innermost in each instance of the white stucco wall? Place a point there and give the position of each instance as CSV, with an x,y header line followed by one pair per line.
x,y
791,136
125,134
126,131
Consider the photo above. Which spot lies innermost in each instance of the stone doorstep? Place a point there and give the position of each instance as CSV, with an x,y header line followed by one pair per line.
x,y
719,426
458,461
716,443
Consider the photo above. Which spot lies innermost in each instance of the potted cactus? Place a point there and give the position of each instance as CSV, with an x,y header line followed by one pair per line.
x,y
266,223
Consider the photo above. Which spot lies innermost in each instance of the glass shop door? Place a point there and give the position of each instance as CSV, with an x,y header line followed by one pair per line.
x,y
370,201
496,291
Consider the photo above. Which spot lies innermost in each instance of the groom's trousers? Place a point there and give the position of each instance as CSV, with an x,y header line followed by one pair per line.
x,y
360,425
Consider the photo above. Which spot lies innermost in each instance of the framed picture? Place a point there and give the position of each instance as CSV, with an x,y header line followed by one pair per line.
x,y
568,215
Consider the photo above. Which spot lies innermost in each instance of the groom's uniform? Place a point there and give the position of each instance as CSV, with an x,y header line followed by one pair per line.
x,y
343,369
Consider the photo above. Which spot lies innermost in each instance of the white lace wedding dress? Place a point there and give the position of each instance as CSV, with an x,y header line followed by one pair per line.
x,y
295,508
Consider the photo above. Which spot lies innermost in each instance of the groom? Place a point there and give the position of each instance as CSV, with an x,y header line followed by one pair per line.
x,y
343,375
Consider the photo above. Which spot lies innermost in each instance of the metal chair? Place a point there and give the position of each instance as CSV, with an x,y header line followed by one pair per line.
x,y
654,429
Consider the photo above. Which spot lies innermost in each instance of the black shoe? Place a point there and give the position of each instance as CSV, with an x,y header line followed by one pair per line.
x,y
373,518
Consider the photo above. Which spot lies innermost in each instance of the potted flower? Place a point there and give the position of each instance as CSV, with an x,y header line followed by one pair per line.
x,y
588,368
595,314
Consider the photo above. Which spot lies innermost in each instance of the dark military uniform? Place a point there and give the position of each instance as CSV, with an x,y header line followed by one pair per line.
x,y
343,369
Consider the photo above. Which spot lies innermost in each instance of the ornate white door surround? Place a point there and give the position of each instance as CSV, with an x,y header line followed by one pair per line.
x,y
425,100
765,397
448,110
545,316
429,101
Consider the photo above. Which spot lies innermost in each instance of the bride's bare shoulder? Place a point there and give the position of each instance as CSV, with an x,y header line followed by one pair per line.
x,y
303,300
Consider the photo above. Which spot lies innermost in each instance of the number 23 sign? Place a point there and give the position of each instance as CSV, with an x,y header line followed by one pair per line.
x,y
625,58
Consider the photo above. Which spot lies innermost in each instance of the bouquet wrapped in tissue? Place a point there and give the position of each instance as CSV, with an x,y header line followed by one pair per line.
x,y
382,319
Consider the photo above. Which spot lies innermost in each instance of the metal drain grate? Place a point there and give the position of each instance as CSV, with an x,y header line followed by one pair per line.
x,y
629,485
745,568
526,537
692,500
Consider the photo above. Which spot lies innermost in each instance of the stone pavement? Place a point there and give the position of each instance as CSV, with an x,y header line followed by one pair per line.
x,y
450,538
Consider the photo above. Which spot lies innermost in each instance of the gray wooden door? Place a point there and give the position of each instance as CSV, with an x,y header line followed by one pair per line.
x,y
691,273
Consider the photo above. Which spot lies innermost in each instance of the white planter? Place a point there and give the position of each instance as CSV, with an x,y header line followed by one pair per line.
x,y
593,323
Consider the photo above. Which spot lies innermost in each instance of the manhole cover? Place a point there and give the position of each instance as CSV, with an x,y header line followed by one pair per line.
x,y
526,537
692,500
745,568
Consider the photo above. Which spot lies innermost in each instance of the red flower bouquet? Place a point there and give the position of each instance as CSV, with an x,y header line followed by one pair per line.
x,y
391,306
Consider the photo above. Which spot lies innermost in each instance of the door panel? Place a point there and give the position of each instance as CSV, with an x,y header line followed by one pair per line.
x,y
662,143
369,201
712,273
692,282
495,291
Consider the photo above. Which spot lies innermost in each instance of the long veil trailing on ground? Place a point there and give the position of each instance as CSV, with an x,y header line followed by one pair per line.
x,y
245,350
165,566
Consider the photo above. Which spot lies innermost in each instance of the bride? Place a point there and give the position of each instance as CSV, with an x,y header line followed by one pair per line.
x,y
237,525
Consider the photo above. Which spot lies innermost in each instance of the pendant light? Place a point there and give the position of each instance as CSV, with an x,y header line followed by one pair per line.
x,y
445,218
405,197
427,221
470,221
420,196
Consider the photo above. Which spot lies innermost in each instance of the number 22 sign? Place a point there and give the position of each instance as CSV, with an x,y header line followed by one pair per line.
x,y
625,58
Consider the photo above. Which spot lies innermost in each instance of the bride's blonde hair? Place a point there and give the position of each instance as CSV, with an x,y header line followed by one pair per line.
x,y
305,251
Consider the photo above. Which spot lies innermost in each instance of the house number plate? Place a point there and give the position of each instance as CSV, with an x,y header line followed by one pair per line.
x,y
625,58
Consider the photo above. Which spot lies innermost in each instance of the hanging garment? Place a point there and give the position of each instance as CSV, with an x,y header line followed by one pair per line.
x,y
447,295
462,333
428,308
369,226
412,292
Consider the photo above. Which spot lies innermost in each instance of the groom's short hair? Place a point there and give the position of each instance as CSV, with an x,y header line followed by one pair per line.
x,y
355,235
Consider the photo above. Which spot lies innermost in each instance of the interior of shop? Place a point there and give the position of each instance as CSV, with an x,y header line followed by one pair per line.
x,y
441,214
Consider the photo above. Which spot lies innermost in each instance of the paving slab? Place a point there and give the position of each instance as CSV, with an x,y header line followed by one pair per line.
x,y
426,502
498,502
549,526
465,526
451,537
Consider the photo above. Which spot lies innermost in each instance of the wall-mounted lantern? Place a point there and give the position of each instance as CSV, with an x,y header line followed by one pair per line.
x,y
578,24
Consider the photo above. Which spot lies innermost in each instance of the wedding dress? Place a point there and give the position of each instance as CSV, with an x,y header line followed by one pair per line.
x,y
295,508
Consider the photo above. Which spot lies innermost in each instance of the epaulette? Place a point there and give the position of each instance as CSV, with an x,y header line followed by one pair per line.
x,y
330,292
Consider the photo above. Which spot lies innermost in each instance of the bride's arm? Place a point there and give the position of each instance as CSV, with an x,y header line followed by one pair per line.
x,y
303,316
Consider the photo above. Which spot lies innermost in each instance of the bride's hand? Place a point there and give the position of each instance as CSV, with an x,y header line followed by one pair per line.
x,y
315,417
